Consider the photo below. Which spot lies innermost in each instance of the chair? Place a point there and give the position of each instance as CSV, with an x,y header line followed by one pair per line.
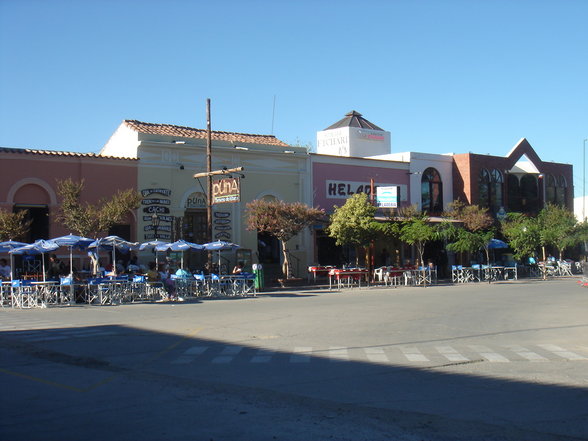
x,y
66,291
24,295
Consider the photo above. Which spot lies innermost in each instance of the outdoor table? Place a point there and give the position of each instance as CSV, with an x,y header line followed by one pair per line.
x,y
510,272
319,271
347,275
47,292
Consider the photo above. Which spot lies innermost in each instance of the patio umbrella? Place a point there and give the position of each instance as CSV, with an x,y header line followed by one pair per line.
x,y
495,244
8,245
113,243
219,246
72,241
39,247
179,245
152,245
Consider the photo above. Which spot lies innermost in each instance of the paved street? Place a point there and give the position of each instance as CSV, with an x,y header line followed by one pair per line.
x,y
503,361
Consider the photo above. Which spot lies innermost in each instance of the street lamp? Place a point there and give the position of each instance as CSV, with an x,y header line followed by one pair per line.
x,y
155,224
584,184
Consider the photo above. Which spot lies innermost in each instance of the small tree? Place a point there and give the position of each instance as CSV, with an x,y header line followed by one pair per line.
x,y
522,234
475,231
415,229
282,220
13,226
90,220
556,226
354,224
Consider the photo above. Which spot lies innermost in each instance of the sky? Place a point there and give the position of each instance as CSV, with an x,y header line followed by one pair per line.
x,y
441,75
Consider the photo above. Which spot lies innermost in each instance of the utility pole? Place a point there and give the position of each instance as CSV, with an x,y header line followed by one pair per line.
x,y
208,170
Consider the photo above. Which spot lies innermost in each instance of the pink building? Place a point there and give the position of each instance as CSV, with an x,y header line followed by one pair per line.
x,y
29,181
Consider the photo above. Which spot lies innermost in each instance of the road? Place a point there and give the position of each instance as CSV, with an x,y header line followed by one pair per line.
x,y
501,361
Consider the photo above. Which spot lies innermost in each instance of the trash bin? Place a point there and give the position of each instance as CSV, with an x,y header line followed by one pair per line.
x,y
258,272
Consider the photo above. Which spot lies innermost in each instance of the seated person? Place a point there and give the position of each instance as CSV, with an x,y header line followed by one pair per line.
x,y
152,273
238,268
181,272
4,269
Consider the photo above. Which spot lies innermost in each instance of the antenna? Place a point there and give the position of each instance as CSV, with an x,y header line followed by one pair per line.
x,y
273,114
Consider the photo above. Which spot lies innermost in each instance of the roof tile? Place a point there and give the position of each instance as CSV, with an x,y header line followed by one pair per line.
x,y
189,132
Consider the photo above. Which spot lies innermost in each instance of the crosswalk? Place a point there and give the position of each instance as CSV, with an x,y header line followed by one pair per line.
x,y
424,356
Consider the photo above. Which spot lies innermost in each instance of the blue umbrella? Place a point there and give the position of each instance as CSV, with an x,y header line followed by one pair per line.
x,y
152,245
72,241
179,245
39,247
113,243
219,246
496,244
5,247
8,245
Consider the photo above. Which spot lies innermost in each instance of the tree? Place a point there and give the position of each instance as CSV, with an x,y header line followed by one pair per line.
x,y
475,231
354,223
90,220
414,228
280,219
522,233
13,226
557,228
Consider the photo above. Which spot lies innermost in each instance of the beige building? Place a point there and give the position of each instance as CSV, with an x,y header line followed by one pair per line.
x,y
170,155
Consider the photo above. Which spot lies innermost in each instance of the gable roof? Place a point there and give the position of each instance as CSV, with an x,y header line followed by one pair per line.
x,y
190,132
354,119
523,148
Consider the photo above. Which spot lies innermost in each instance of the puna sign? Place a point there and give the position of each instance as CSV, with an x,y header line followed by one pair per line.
x,y
226,190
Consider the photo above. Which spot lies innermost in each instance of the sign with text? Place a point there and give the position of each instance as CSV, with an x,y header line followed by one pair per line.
x,y
387,197
226,190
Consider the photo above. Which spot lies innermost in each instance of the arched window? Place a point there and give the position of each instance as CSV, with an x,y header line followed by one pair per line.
x,y
484,188
514,193
550,189
490,186
560,191
496,185
431,191
529,194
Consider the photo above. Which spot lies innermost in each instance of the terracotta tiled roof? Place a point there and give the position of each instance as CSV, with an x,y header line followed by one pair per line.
x,y
54,153
189,132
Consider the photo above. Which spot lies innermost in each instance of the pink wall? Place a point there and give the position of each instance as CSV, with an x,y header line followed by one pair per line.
x,y
333,183
31,178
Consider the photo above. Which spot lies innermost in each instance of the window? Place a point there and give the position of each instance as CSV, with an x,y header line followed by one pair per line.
x,y
431,191
490,185
484,188
550,189
529,194
514,193
496,185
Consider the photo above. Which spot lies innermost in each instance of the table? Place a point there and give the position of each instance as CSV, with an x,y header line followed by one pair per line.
x,y
350,276
322,271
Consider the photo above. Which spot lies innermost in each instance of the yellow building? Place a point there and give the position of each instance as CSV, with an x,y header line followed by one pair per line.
x,y
170,155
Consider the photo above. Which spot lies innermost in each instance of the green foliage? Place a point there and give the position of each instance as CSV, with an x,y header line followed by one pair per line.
x,y
556,227
13,226
90,220
472,233
522,233
282,220
415,229
354,223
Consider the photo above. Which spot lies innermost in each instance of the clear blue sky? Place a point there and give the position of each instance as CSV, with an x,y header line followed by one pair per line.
x,y
440,75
